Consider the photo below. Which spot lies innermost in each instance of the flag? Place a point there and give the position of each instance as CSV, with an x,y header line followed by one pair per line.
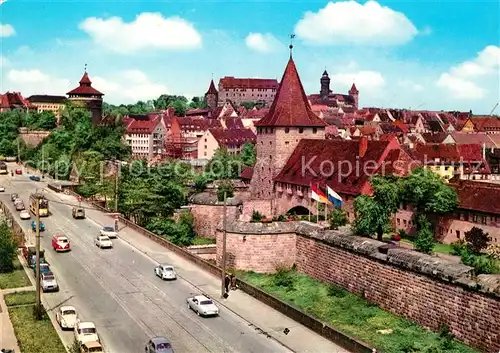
x,y
333,197
317,194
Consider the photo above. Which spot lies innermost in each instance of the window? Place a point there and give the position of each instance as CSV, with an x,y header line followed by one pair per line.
x,y
286,143
315,130
484,219
287,130
399,221
301,130
474,218
458,234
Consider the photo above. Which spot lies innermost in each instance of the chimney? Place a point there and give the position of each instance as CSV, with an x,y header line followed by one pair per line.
x,y
363,146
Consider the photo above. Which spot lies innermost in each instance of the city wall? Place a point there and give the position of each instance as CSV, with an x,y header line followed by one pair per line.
x,y
425,289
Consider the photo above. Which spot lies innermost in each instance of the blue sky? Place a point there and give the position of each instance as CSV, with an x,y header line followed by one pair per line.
x,y
405,54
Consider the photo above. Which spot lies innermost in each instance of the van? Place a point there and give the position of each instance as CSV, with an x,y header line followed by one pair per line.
x,y
60,243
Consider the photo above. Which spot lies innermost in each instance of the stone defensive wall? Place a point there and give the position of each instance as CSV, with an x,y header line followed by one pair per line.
x,y
424,289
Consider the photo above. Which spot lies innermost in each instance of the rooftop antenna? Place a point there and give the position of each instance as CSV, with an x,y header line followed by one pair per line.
x,y
291,44
494,108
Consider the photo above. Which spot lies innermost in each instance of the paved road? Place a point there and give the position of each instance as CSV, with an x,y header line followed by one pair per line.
x,y
117,290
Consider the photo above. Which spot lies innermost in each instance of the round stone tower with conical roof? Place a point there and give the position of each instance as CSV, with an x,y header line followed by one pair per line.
x,y
87,96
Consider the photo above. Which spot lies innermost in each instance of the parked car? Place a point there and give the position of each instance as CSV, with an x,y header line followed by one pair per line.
x,y
158,345
202,305
86,332
44,268
165,271
60,243
48,282
67,317
19,171
2,189
78,212
19,205
109,232
91,347
41,227
14,197
24,214
103,242
35,177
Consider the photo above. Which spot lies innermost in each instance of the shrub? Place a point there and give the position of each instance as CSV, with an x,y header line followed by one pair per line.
x,y
283,277
8,248
477,240
338,218
458,247
424,241
494,251
402,233
257,216
225,188
482,264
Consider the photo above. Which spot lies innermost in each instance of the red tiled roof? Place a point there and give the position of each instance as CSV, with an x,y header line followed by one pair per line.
x,y
233,123
448,153
486,123
194,123
478,196
228,82
211,88
247,173
290,106
85,88
191,112
367,130
474,138
353,89
438,137
304,165
11,100
255,113
147,126
233,137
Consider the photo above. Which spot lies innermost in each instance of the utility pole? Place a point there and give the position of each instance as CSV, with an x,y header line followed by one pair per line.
x,y
116,184
37,235
223,284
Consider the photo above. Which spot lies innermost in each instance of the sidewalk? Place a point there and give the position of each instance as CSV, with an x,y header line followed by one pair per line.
x,y
263,318
8,339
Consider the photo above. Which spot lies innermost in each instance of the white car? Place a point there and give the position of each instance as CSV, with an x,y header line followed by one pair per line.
x,y
86,332
67,317
108,232
2,189
24,214
91,347
202,305
103,242
48,282
165,271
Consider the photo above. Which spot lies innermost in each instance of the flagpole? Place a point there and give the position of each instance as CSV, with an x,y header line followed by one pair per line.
x,y
317,211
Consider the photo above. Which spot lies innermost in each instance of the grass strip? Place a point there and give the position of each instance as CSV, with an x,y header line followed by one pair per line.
x,y
14,279
20,298
353,315
34,336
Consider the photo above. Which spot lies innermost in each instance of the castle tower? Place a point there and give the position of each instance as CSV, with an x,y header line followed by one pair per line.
x,y
355,94
87,96
289,120
212,96
325,86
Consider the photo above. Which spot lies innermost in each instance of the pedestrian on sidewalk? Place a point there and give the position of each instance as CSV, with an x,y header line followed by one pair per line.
x,y
227,281
233,282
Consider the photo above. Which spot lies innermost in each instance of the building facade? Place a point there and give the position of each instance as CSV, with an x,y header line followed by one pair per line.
x,y
241,90
145,136
327,98
47,103
231,139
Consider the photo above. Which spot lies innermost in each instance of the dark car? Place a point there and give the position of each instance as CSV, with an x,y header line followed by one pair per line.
x,y
44,268
35,177
14,196
33,226
158,345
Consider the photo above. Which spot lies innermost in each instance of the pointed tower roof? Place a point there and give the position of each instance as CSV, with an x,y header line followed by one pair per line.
x,y
291,107
353,89
325,73
85,88
211,88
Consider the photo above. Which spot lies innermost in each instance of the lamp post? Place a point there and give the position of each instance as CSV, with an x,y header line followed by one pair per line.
x,y
223,284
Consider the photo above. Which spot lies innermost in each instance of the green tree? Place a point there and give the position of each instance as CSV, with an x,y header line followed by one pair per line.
x,y
338,218
477,240
8,248
373,213
197,103
225,189
248,155
424,240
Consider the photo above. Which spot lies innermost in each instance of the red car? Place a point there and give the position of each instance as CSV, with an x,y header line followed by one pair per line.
x,y
60,243
19,171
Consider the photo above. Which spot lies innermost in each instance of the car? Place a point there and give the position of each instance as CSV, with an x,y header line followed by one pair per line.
x,y
158,345
67,317
48,282
91,347
19,171
41,227
35,177
78,212
19,205
44,268
60,243
109,232
165,271
2,189
103,242
24,214
14,197
85,332
202,305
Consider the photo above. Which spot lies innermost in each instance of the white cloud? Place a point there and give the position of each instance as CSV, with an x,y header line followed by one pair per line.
x,y
6,30
262,42
364,79
147,31
350,22
34,81
4,61
411,85
462,81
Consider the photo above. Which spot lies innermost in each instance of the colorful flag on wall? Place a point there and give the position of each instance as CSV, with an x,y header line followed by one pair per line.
x,y
333,197
317,194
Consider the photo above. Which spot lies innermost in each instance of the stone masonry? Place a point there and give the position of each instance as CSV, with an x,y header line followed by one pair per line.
x,y
425,289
